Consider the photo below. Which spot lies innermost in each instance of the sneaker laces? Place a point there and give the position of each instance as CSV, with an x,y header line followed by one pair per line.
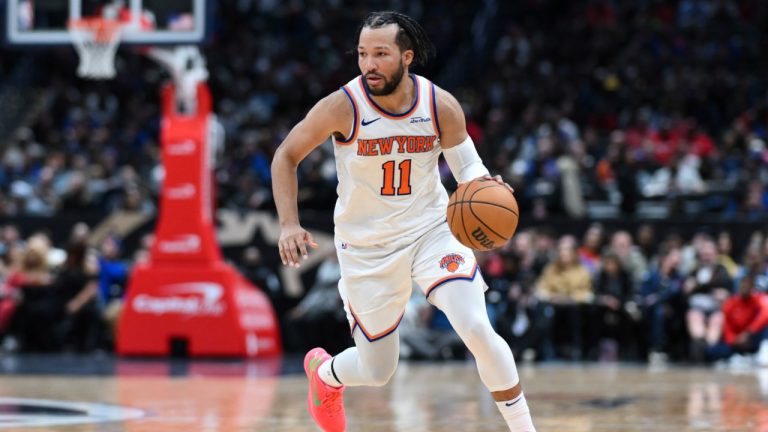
x,y
332,403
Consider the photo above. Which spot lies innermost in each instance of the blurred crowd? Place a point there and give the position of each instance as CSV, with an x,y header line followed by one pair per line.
x,y
614,102
66,298
628,101
608,296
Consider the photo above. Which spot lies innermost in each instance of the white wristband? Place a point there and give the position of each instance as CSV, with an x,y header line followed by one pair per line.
x,y
464,161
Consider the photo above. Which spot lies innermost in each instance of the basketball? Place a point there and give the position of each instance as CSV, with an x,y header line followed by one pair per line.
x,y
482,214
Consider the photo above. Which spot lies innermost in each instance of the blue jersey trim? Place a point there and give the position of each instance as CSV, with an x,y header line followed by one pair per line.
x,y
382,110
354,118
451,279
434,111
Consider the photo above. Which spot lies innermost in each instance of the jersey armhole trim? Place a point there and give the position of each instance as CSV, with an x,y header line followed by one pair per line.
x,y
433,107
355,117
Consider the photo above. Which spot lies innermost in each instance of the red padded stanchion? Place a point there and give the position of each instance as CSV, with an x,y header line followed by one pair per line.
x,y
186,291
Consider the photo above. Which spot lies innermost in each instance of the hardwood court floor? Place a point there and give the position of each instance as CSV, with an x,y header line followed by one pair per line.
x,y
421,397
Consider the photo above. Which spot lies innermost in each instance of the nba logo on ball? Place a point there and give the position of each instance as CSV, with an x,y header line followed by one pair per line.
x,y
451,262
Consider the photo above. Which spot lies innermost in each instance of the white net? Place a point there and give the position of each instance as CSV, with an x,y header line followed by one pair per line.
x,y
96,40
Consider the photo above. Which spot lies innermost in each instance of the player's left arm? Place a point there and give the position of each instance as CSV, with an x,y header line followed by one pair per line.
x,y
458,148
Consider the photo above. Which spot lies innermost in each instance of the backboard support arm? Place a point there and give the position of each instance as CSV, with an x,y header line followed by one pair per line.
x,y
187,68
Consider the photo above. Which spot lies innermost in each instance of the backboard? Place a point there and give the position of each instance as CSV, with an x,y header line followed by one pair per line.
x,y
44,22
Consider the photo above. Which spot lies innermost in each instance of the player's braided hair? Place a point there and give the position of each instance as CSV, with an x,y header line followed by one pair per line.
x,y
410,35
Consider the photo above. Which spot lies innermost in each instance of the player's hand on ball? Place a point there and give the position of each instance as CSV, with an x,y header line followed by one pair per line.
x,y
293,244
497,178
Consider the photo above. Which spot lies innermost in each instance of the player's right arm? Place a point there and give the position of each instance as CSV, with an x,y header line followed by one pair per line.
x,y
331,115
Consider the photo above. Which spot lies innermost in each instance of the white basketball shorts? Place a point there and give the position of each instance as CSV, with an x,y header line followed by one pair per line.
x,y
376,281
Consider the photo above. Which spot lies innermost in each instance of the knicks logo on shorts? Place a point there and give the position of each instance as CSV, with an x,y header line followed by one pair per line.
x,y
451,262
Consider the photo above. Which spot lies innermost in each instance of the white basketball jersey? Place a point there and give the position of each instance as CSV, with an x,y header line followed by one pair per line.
x,y
389,184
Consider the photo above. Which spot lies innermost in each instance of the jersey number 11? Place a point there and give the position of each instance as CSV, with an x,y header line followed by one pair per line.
x,y
388,188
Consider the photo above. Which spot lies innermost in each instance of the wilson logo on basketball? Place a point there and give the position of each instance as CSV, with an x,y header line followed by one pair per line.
x,y
451,262
482,237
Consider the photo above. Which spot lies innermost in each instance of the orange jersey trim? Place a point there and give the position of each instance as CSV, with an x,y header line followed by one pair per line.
x,y
366,333
386,113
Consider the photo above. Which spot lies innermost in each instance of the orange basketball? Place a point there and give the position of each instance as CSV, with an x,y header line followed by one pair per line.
x,y
482,214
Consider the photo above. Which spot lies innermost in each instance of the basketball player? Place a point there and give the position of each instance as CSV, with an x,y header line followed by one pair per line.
x,y
388,128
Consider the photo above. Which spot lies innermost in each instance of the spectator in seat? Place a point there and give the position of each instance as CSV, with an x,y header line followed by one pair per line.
x,y
565,284
755,263
690,252
646,242
589,252
544,249
745,325
522,245
661,303
9,240
706,288
526,323
724,250
77,286
32,322
631,258
113,277
611,321
15,275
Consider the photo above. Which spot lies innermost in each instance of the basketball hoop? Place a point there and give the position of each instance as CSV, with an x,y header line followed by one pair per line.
x,y
96,41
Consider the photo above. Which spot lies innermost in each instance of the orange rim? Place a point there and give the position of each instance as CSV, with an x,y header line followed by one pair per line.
x,y
104,30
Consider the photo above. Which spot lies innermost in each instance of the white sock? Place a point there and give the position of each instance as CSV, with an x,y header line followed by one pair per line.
x,y
516,414
326,374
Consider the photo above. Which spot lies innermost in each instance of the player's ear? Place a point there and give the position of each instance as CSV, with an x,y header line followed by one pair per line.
x,y
408,57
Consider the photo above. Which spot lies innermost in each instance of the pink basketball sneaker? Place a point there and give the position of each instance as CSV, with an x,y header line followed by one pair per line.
x,y
325,403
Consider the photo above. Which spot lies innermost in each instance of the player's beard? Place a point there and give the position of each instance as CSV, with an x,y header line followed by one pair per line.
x,y
389,84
